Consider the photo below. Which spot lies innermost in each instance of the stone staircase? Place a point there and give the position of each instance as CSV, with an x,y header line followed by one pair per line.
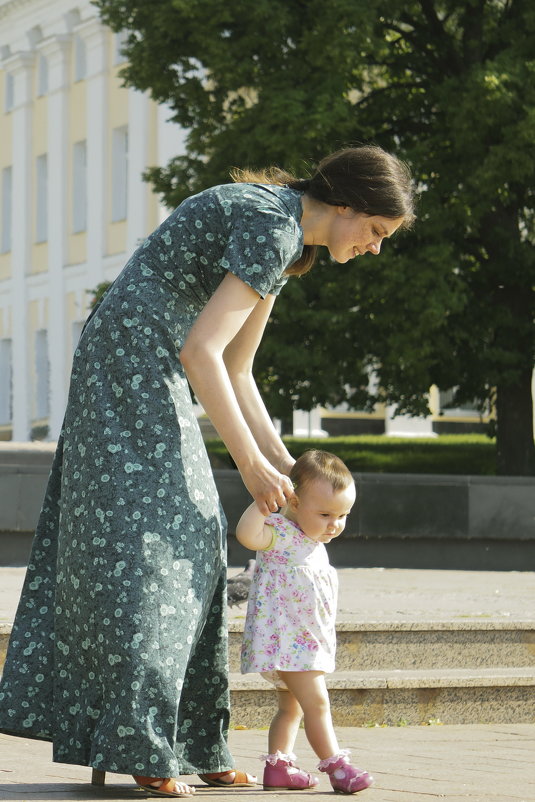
x,y
412,673
407,673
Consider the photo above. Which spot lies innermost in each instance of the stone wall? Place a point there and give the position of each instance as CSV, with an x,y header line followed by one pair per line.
x,y
399,521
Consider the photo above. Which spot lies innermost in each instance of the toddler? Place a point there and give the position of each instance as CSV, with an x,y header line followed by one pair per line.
x,y
290,633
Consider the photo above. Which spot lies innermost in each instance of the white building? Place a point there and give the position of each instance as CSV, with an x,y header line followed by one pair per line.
x,y
73,146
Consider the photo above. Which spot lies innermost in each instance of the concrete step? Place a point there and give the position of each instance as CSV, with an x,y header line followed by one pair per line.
x,y
423,645
409,645
398,698
395,695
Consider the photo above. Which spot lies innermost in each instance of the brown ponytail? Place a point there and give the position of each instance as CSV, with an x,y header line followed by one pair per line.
x,y
367,179
281,178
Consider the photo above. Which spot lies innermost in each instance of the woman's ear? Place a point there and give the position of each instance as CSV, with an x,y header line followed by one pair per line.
x,y
346,212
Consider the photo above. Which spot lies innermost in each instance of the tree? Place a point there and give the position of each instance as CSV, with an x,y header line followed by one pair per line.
x,y
449,86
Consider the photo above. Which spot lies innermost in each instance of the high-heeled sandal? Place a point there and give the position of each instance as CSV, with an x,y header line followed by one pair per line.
x,y
241,779
166,787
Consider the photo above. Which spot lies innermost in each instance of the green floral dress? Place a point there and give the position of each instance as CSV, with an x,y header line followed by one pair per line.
x,y
119,649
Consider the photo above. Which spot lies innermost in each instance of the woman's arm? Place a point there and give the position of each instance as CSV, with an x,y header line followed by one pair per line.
x,y
251,530
238,357
203,359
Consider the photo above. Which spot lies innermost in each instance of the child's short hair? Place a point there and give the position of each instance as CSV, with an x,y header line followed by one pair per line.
x,y
317,464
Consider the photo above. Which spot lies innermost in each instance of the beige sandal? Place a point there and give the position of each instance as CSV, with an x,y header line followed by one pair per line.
x,y
241,779
167,785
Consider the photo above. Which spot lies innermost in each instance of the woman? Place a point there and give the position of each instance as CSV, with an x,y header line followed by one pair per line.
x,y
118,653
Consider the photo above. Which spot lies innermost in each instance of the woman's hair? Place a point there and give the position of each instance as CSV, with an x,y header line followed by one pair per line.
x,y
316,464
365,178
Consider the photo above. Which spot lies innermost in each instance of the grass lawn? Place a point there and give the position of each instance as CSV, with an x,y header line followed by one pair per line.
x,y
447,454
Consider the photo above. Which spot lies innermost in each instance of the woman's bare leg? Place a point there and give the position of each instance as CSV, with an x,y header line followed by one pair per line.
x,y
310,691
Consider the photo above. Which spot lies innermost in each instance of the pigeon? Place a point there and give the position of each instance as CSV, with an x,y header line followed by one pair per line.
x,y
238,586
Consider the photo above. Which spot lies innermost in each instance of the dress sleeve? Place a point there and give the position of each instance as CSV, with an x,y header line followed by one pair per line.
x,y
261,245
271,543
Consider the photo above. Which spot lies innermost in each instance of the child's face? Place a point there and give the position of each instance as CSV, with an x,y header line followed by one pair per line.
x,y
320,511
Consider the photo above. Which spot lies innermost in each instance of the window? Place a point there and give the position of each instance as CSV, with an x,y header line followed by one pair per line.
x,y
41,374
79,187
121,39
10,92
42,76
7,200
6,385
80,68
41,216
119,173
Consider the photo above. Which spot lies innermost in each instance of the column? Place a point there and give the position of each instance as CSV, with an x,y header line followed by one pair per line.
x,y
138,145
21,67
308,423
171,142
94,35
407,425
56,51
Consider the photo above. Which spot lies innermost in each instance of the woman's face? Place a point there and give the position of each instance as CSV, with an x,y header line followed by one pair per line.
x,y
355,233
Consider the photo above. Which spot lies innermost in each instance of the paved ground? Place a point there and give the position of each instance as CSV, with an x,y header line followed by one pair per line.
x,y
389,594
410,764
378,594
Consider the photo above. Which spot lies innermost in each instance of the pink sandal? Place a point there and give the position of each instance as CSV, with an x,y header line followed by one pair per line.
x,y
345,778
281,774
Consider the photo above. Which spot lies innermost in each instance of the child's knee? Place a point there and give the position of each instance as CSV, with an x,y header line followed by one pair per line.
x,y
288,704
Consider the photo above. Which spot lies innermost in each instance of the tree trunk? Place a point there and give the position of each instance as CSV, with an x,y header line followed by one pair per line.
x,y
514,412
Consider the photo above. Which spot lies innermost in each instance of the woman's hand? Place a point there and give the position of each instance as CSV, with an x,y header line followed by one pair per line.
x,y
286,464
269,488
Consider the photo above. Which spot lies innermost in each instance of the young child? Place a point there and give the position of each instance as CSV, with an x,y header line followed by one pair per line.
x,y
290,627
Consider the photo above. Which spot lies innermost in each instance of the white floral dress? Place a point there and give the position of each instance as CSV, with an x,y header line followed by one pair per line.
x,y
291,614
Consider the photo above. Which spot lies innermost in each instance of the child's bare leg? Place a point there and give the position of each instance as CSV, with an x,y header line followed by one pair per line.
x,y
280,772
310,691
285,724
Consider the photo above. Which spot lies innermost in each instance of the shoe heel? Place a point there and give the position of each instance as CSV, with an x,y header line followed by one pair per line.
x,y
98,777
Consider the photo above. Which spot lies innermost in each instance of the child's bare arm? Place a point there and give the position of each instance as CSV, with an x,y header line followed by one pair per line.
x,y
251,530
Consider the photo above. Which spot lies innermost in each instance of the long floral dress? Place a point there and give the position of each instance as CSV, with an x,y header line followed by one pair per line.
x,y
291,612
119,649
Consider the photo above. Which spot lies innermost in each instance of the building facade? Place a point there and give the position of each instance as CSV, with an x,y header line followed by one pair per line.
x,y
73,206
73,147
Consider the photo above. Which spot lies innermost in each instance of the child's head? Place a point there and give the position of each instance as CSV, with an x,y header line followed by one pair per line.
x,y
324,494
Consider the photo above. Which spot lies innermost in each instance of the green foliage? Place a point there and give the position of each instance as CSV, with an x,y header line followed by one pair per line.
x,y
449,85
449,454
97,294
